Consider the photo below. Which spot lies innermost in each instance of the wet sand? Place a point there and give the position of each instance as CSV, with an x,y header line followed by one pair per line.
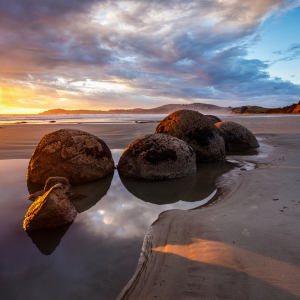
x,y
243,246
20,140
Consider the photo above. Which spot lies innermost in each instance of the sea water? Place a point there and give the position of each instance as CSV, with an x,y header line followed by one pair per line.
x,y
106,118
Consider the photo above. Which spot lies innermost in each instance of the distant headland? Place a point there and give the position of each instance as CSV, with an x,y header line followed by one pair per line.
x,y
166,109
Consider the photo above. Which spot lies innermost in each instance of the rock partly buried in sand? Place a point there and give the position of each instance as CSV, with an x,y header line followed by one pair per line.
x,y
197,131
50,210
237,137
77,155
213,119
157,156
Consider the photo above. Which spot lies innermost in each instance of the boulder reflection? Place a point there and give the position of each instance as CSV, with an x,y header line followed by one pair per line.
x,y
160,192
206,177
84,196
34,187
48,239
191,188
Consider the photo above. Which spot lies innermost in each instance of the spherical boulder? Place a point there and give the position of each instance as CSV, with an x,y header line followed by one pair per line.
x,y
157,156
77,155
213,119
197,131
236,136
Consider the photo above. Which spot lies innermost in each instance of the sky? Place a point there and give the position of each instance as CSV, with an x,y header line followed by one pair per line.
x,y
91,54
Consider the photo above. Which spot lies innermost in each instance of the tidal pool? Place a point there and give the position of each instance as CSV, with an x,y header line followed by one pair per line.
x,y
96,255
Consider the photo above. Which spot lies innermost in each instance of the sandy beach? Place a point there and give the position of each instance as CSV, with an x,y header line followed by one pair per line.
x,y
245,245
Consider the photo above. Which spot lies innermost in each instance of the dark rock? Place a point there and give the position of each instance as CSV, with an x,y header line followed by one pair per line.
x,y
77,155
50,210
157,156
213,119
197,131
52,181
236,136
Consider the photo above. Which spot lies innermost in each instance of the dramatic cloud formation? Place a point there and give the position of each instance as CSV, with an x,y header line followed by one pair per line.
x,y
106,54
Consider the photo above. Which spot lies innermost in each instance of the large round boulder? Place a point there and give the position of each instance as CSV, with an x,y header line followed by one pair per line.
x,y
197,131
157,156
77,155
213,119
236,136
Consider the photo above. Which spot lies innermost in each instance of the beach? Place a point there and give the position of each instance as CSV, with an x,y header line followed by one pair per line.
x,y
243,245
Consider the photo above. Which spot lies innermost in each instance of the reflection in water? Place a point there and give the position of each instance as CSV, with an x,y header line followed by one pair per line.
x,y
34,187
160,191
97,255
84,196
205,179
192,188
48,239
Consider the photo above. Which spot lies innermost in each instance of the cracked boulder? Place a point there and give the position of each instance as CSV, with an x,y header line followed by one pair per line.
x,y
236,136
157,156
77,155
50,210
197,131
52,181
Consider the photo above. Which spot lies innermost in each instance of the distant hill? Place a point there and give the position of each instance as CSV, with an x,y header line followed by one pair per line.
x,y
292,109
165,109
249,110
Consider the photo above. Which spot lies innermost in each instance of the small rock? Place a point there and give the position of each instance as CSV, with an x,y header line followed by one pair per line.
x,y
52,181
197,131
34,196
157,156
236,136
50,210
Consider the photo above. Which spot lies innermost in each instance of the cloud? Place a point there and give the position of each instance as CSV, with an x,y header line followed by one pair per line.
x,y
95,53
291,53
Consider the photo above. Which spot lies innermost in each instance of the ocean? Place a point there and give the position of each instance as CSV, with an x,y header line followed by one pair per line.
x,y
74,119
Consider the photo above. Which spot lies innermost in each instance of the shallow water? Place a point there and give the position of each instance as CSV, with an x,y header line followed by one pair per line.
x,y
95,256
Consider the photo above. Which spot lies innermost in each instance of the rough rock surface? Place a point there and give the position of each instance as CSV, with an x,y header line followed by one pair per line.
x,y
77,155
35,195
197,131
236,136
52,181
157,156
213,119
50,210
